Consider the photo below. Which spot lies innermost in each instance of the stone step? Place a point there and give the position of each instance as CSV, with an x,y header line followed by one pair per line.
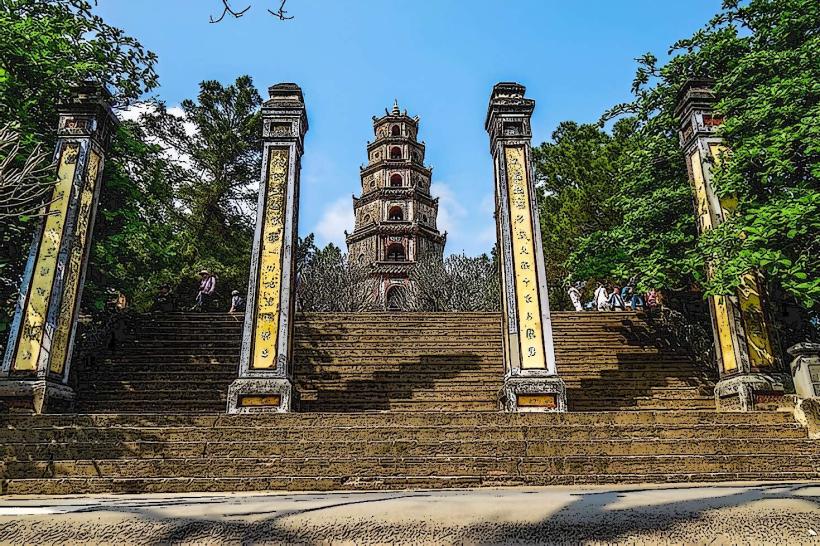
x,y
279,482
113,436
491,465
462,419
434,450
139,405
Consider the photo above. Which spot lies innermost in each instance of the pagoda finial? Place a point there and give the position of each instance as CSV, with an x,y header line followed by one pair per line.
x,y
396,110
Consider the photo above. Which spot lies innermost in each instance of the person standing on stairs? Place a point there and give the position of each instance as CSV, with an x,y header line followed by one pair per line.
x,y
616,302
574,292
207,286
601,298
237,303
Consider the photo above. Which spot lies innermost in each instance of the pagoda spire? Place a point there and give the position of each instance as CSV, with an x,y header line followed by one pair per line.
x,y
396,111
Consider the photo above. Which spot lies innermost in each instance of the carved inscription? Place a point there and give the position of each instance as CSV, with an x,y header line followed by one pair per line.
x,y
39,296
71,285
530,333
268,297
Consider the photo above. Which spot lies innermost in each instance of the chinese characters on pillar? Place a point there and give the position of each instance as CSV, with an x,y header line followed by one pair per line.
x,y
74,271
758,345
39,295
524,264
270,262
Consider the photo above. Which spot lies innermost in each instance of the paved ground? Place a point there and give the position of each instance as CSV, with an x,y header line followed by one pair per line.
x,y
724,513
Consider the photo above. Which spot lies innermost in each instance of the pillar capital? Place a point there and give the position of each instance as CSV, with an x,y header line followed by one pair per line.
x,y
695,111
284,116
87,113
508,114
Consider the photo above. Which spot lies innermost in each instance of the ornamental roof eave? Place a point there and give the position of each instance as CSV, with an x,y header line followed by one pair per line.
x,y
394,228
405,192
395,164
395,140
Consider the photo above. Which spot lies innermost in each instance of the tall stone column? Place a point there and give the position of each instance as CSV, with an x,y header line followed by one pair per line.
x,y
34,376
751,373
264,383
531,381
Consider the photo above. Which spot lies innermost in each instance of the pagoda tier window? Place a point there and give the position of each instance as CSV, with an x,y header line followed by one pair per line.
x,y
395,213
395,252
395,130
396,181
395,152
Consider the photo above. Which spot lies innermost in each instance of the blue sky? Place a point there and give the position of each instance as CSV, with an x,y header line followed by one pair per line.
x,y
439,58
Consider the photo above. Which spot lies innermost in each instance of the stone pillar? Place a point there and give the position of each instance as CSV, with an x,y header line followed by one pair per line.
x,y
531,382
264,383
34,375
805,368
751,374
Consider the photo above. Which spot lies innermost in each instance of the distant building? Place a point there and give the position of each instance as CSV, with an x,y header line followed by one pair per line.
x,y
395,215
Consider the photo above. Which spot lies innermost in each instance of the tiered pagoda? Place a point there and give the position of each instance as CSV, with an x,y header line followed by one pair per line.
x,y
395,215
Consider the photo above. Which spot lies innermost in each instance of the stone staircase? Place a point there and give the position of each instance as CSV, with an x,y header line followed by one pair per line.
x,y
397,362
72,454
152,413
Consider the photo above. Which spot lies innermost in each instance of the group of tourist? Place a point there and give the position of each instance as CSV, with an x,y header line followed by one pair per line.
x,y
613,297
164,301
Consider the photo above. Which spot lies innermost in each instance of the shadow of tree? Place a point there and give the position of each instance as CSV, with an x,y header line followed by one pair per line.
x,y
628,365
323,388
680,514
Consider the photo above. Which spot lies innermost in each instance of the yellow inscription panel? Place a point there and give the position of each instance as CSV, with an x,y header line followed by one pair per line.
x,y
722,318
266,321
39,295
59,346
754,322
549,401
253,400
530,335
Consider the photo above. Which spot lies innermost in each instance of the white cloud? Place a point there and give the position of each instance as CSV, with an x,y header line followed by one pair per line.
x,y
135,111
471,231
336,218
451,213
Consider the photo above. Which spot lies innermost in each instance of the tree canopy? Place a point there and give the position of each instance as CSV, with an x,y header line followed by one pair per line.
x,y
46,46
762,56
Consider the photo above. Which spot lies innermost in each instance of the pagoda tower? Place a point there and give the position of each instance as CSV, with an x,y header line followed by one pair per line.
x,y
395,215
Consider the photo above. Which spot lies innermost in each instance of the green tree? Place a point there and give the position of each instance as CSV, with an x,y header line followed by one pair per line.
x,y
762,55
215,147
138,235
46,46
576,179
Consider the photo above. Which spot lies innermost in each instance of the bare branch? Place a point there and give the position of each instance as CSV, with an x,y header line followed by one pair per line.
x,y
281,13
227,9
25,180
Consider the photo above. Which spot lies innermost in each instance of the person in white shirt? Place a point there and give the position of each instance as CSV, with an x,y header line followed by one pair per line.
x,y
601,298
574,292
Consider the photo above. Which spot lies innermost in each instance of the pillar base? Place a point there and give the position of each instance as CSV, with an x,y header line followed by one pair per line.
x,y
534,393
251,395
753,392
35,396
